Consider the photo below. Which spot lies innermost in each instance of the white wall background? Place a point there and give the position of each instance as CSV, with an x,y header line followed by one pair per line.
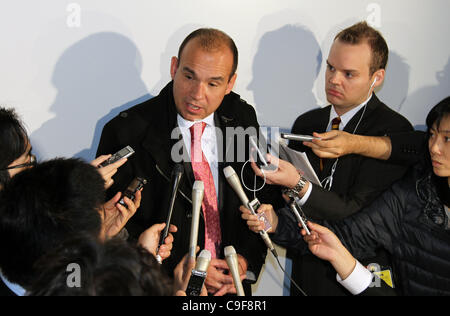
x,y
70,66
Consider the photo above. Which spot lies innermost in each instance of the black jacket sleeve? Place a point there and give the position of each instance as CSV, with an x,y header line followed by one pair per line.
x,y
408,148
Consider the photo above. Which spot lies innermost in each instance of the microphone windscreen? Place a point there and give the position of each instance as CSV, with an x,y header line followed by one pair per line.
x,y
203,260
198,186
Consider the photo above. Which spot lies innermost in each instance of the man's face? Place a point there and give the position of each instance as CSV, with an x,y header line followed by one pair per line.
x,y
348,79
201,80
439,146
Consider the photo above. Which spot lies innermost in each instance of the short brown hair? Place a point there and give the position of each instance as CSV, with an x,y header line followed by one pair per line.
x,y
361,32
210,39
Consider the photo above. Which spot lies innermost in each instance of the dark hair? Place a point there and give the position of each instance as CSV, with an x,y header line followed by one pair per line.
x,y
41,207
360,33
435,116
114,268
437,113
210,39
13,141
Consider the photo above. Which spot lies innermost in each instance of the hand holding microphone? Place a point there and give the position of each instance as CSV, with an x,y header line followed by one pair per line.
x,y
177,174
149,240
253,206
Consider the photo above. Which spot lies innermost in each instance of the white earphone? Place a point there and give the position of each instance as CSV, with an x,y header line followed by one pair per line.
x,y
373,83
328,181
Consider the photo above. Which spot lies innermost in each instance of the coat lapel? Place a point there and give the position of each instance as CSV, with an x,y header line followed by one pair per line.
x,y
159,144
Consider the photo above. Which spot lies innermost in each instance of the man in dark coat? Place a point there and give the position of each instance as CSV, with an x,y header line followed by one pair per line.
x,y
159,131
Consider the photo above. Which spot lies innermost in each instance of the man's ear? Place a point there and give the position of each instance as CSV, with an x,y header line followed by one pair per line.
x,y
379,77
173,67
230,83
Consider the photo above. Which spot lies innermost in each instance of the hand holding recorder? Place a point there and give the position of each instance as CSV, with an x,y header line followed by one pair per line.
x,y
108,164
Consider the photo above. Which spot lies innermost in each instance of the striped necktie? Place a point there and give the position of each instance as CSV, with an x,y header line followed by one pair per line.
x,y
334,126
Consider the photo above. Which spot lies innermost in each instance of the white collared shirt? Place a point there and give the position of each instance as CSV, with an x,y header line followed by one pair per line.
x,y
346,117
358,281
209,143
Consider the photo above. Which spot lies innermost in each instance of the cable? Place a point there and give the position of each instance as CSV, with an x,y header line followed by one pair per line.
x,y
274,253
292,281
243,182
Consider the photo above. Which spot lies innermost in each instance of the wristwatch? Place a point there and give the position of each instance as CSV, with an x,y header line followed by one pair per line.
x,y
296,189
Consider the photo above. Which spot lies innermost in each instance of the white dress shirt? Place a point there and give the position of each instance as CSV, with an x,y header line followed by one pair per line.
x,y
209,143
359,280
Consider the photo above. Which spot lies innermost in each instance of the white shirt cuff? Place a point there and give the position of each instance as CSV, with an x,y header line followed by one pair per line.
x,y
358,280
306,196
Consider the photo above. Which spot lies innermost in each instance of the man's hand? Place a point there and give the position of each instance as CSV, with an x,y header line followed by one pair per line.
x,y
253,222
149,240
108,171
285,175
115,216
219,280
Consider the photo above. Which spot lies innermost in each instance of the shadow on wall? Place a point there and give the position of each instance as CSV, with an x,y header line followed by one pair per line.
x,y
394,90
172,46
96,75
420,102
285,67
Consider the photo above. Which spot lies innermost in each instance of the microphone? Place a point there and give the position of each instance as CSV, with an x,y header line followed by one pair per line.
x,y
197,197
232,261
177,174
198,274
235,183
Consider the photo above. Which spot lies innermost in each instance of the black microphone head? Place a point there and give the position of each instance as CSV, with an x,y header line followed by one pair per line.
x,y
177,169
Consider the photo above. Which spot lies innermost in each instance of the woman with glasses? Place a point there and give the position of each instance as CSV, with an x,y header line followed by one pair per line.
x,y
15,147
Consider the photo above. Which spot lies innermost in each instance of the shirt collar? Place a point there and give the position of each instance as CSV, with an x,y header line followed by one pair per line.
x,y
345,118
183,123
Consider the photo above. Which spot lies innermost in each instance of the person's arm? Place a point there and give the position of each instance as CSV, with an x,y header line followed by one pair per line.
x,y
404,147
335,144
324,244
373,178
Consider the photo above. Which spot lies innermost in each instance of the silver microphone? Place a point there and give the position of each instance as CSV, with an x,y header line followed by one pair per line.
x,y
197,197
232,261
235,183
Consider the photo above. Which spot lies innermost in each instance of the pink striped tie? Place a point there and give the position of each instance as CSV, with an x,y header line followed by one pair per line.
x,y
202,172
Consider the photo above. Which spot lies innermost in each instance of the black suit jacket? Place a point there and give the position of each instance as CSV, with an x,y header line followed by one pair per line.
x,y
147,128
357,182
